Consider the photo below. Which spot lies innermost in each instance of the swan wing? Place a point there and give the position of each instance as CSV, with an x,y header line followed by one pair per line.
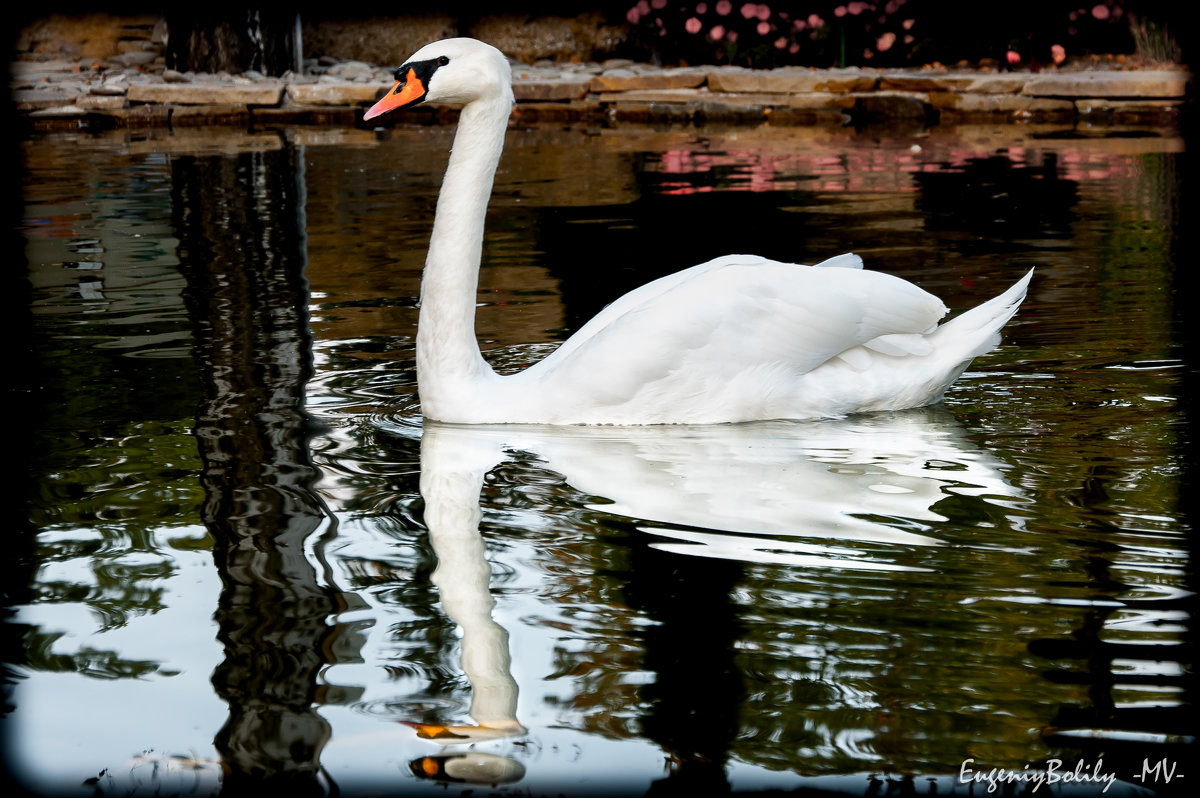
x,y
643,295
738,318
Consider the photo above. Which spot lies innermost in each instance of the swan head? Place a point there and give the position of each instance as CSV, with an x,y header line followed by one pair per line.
x,y
448,71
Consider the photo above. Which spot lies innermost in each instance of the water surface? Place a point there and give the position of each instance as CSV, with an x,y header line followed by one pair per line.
x,y
247,557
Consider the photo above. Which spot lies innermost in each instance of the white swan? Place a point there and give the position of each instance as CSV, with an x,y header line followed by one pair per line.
x,y
740,338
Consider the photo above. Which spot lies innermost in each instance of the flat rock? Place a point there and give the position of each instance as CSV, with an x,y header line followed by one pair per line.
x,y
654,96
135,58
997,103
334,93
995,83
1119,111
551,88
40,99
100,102
116,86
1146,84
197,115
58,111
207,94
790,80
251,93
38,69
629,79
353,70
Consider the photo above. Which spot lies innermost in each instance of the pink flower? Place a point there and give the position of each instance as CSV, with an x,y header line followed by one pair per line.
x,y
885,42
701,8
799,25
795,48
731,36
658,5
1058,53
814,21
763,11
763,28
908,23
692,25
840,11
717,33
1012,57
633,15
724,7
856,8
780,43
749,10
1100,11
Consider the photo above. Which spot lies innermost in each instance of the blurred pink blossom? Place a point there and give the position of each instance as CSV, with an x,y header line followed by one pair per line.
x,y
763,28
857,7
763,11
692,25
799,25
1058,53
795,48
724,7
780,43
701,8
731,36
1100,11
885,42
749,10
1012,57
633,15
908,23
814,21
840,11
658,5
717,33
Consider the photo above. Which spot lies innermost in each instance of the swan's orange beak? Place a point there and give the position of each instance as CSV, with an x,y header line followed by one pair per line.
x,y
404,93
431,732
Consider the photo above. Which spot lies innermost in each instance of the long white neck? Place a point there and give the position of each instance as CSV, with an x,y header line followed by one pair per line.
x,y
448,356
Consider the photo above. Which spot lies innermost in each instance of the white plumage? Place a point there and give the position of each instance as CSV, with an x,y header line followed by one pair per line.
x,y
740,338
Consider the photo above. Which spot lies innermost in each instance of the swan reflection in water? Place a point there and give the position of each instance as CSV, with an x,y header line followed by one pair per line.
x,y
859,493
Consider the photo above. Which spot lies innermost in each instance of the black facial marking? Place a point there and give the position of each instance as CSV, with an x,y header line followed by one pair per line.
x,y
424,69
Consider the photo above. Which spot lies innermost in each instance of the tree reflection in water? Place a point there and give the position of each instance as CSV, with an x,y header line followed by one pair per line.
x,y
241,221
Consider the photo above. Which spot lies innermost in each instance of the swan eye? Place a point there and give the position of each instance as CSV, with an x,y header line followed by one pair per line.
x,y
442,61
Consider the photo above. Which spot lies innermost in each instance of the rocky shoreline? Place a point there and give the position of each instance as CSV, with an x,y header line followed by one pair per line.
x,y
134,89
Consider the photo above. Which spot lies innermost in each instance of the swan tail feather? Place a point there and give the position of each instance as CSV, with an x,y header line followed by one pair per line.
x,y
978,329
846,261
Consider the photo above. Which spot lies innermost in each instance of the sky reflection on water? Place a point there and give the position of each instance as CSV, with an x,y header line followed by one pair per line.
x,y
242,550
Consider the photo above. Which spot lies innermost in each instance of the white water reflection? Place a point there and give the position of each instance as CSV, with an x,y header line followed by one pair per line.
x,y
856,493
843,494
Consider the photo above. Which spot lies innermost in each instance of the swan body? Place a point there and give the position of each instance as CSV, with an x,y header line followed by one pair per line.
x,y
740,338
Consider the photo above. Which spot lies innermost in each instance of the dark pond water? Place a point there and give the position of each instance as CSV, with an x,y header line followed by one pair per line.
x,y
245,557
